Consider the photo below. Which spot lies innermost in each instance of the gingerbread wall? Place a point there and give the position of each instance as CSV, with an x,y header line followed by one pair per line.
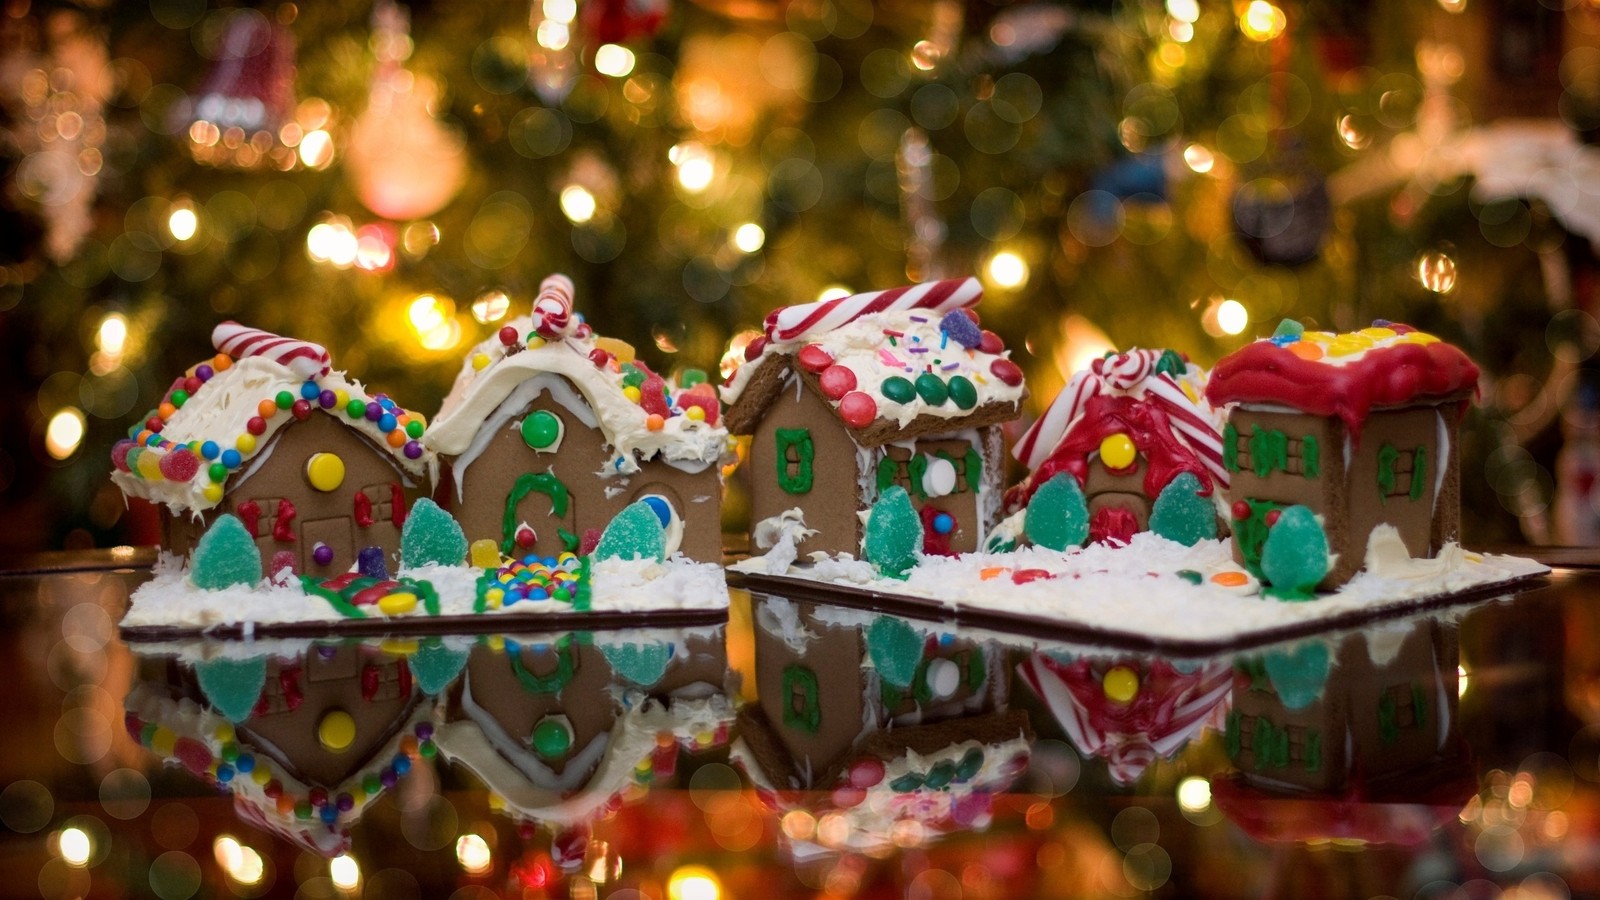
x,y
831,662
582,698
834,495
961,504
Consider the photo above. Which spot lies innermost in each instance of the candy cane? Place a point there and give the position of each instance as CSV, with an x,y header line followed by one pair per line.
x,y
552,309
303,358
793,323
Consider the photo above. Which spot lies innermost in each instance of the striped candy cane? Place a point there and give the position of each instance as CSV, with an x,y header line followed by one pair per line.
x,y
303,358
793,323
552,309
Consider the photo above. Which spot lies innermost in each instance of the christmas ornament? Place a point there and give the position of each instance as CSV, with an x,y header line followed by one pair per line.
x,y
247,97
620,21
1282,216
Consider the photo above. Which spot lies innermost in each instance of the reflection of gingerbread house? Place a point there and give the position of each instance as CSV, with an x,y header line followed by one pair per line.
x,y
844,398
560,730
866,717
302,741
1125,428
313,465
542,441
1130,711
1360,428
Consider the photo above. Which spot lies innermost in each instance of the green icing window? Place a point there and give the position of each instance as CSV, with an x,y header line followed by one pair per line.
x,y
1269,451
1402,473
1230,448
1311,751
1419,472
795,454
801,708
908,473
1310,456
530,483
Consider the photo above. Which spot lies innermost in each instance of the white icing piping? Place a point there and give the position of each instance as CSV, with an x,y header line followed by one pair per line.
x,y
1442,451
532,768
525,393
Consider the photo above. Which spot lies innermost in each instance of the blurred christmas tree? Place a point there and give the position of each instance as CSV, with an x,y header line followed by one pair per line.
x,y
392,181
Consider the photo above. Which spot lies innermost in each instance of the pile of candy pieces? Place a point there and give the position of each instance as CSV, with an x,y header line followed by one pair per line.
x,y
662,763
535,578
151,457
350,592
1315,345
230,763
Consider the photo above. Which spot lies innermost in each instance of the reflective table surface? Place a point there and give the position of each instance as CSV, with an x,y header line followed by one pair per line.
x,y
801,750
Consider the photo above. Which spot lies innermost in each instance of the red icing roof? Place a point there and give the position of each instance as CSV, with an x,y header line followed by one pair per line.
x,y
1396,375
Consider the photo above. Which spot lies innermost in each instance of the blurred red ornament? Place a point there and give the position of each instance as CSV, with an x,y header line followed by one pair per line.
x,y
619,21
248,95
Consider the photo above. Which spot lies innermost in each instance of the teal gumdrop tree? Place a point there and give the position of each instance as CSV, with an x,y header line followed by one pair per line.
x,y
225,557
893,534
1181,514
635,533
1057,516
431,536
1295,556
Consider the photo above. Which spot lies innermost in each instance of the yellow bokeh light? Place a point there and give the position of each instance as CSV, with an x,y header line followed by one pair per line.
x,y
1463,679
316,149
1453,6
182,223
345,872
696,174
553,35
1261,21
560,10
1184,10
443,336
64,433
491,306
1232,317
242,864
425,313
333,241
577,204
694,883
833,291
112,337
1194,794
1182,32
1437,272
614,60
1008,270
472,852
75,845
749,237
1199,159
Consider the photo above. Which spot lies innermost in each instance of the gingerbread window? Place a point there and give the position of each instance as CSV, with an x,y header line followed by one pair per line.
x,y
1402,474
795,454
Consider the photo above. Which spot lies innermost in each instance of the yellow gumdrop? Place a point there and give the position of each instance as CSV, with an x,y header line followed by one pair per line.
x,y
163,741
480,361
1378,332
494,597
336,731
1321,337
1121,684
1117,451
399,646
496,642
485,554
149,466
1343,346
1420,337
325,471
622,350
397,604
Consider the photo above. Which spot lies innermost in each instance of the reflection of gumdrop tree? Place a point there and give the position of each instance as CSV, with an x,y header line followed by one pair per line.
x,y
1181,514
431,536
893,534
1057,516
226,556
1300,674
232,685
1295,556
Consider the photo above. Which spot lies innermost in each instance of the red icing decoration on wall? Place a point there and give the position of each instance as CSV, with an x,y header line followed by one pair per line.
x,y
934,543
1112,523
249,512
402,674
1399,375
289,683
363,510
283,526
397,504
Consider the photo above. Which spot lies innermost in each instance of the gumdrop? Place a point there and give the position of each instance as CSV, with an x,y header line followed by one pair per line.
x,y
707,405
226,556
1057,516
1298,675
635,533
589,541
430,535
640,664
179,465
370,563
961,329
434,666
652,396
1181,514
893,534
284,567
895,650
232,686
485,554
1295,556
1289,328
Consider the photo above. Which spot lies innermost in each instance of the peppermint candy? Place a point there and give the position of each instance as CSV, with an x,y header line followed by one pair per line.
x,y
807,320
305,359
552,309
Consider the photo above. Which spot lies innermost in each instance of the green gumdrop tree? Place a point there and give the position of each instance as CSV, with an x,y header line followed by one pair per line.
x,y
1181,514
1295,555
634,533
225,557
431,536
893,534
1057,516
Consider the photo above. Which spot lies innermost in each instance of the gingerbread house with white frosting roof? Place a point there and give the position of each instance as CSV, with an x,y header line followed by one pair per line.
x,y
549,432
1360,428
316,467
846,397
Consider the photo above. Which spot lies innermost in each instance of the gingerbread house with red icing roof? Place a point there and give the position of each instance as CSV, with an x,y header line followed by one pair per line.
x,y
845,397
1361,428
1125,428
315,467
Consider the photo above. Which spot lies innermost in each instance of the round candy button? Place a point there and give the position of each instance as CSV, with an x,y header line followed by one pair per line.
x,y
542,430
336,731
1121,684
1117,451
325,471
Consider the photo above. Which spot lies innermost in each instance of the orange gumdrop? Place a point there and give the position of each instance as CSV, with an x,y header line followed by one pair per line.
x,y
1230,579
1306,350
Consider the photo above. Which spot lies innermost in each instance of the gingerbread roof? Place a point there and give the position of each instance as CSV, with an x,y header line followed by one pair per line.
x,y
910,359
641,414
1346,375
215,425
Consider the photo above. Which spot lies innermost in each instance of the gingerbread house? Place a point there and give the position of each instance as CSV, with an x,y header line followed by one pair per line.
x,y
1360,428
845,397
316,468
1125,428
548,432
304,738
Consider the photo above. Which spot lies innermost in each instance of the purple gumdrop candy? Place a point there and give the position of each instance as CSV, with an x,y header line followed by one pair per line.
x,y
322,554
372,564
961,329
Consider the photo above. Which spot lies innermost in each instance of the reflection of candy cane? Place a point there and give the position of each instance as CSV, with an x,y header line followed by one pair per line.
x,y
552,309
303,358
793,323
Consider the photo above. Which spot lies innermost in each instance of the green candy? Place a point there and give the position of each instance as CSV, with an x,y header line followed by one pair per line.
x,y
1057,516
1295,556
434,666
895,650
970,764
225,557
551,738
541,429
232,686
179,398
1289,328
1180,514
356,409
691,377
962,391
284,400
431,535
893,534
906,783
641,664
1300,674
414,429
635,533
631,375
932,389
216,471
897,389
941,774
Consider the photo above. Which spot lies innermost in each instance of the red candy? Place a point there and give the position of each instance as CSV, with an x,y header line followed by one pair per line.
x,y
508,335
192,384
858,410
195,756
846,797
1241,510
301,410
990,343
866,773
712,408
119,454
651,398
814,359
179,465
837,381
970,313
256,425
154,423
1023,576
1273,516
755,348
1007,371
600,358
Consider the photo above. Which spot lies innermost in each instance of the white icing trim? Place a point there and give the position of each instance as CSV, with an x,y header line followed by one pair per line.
x,y
561,392
1442,462
573,774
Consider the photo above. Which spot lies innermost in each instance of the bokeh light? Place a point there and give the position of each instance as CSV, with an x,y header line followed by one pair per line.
x,y
833,291
64,433
1194,794
693,883
1261,21
577,204
1232,317
316,149
696,167
1437,272
345,872
1184,10
182,222
490,306
473,853
749,237
1008,270
614,60
75,846
1199,159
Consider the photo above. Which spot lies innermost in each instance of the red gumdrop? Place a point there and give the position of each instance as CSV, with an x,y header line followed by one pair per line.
x,y
508,335
192,384
195,756
600,358
301,410
1023,576
1007,371
990,343
590,540
837,381
712,408
283,559
119,454
1241,510
970,313
179,465
857,409
866,773
754,349
651,398
814,359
